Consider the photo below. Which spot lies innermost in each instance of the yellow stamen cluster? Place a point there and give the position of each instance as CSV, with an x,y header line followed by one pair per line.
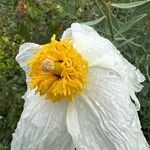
x,y
58,71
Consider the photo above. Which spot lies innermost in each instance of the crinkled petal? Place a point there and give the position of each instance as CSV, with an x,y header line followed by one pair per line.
x,y
101,52
42,126
104,118
26,53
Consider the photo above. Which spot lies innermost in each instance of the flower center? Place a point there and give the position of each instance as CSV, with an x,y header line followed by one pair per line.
x,y
58,71
54,67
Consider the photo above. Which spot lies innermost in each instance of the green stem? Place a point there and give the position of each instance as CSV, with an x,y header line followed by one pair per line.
x,y
99,8
107,14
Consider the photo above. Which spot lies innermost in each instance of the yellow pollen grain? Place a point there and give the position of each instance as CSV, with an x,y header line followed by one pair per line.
x,y
58,71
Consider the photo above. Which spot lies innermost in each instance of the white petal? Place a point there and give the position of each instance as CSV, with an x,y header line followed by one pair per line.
x,y
42,126
101,52
104,118
26,52
67,33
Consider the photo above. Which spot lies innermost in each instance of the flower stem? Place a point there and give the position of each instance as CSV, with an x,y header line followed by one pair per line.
x,y
107,14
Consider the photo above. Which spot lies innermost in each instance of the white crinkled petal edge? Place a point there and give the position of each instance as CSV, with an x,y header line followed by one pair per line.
x,y
104,117
101,52
26,53
42,125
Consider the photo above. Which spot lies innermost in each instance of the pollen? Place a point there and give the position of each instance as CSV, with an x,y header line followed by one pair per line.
x,y
58,71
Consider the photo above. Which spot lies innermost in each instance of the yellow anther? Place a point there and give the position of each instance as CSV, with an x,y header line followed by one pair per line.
x,y
53,37
58,71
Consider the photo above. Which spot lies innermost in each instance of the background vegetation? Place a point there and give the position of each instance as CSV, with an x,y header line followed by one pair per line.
x,y
127,25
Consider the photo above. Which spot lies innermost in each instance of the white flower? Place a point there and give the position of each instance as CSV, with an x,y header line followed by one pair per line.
x,y
103,117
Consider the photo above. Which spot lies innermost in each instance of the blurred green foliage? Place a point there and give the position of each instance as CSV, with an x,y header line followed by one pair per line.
x,y
127,25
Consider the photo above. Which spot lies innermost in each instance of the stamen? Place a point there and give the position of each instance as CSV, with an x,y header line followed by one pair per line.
x,y
62,73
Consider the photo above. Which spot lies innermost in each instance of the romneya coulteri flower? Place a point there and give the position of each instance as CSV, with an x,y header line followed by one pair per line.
x,y
80,94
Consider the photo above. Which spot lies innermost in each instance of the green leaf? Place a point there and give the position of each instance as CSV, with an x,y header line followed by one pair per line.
x,y
128,41
94,22
128,25
125,42
129,5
